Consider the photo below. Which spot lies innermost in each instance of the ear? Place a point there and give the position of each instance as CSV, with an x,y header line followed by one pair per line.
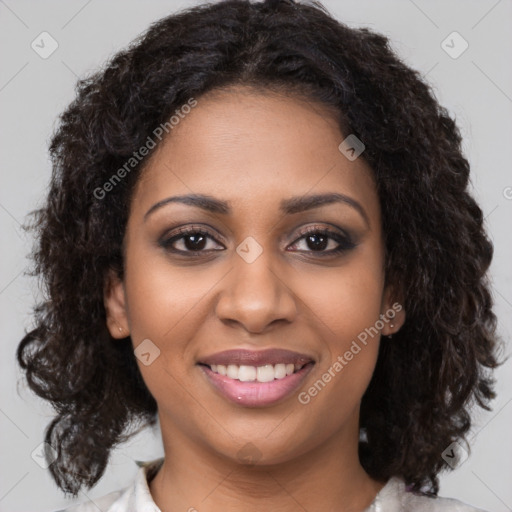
x,y
114,299
392,311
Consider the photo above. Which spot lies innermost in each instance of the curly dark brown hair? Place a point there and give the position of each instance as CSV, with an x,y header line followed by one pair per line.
x,y
427,378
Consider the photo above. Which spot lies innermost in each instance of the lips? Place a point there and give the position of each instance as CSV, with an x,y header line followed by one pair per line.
x,y
242,357
232,374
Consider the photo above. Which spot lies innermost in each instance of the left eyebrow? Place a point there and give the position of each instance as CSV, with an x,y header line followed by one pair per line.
x,y
303,203
287,206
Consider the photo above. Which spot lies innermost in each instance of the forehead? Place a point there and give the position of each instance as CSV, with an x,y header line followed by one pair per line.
x,y
247,146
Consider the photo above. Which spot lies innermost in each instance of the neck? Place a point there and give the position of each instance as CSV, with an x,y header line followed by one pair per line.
x,y
327,477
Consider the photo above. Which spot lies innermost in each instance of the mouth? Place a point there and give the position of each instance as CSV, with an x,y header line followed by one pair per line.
x,y
256,379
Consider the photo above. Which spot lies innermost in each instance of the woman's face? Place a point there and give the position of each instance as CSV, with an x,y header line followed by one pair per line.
x,y
260,274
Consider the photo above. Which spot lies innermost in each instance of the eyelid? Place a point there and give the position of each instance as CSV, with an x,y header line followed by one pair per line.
x,y
173,235
208,230
331,228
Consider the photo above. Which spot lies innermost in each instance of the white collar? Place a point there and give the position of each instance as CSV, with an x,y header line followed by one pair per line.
x,y
393,497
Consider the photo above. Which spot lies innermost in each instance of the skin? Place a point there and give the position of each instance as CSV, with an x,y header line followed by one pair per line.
x,y
254,149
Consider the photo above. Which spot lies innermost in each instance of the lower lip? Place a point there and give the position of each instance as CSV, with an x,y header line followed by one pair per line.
x,y
256,394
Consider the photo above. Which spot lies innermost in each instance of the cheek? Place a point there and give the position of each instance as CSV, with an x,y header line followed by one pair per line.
x,y
346,307
162,303
163,307
162,297
347,300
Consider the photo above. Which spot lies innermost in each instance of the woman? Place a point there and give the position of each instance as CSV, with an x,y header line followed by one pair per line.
x,y
259,232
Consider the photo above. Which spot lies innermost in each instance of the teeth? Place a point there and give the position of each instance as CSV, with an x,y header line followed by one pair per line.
x,y
266,373
247,373
280,371
232,371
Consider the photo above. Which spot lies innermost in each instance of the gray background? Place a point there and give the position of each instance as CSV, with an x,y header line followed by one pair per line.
x,y
476,87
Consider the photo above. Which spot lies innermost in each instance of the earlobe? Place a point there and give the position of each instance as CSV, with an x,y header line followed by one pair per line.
x,y
394,323
392,313
114,300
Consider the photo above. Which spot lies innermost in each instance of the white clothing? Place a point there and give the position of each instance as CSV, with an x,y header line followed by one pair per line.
x,y
393,497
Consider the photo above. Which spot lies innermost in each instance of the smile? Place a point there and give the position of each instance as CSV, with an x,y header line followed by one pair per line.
x,y
256,378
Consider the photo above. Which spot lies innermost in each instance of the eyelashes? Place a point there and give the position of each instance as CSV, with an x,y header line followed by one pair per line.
x,y
196,240
199,235
344,241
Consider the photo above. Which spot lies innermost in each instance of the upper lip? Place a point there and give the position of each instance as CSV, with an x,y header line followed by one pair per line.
x,y
256,358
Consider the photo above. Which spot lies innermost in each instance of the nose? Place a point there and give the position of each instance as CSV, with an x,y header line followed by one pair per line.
x,y
255,295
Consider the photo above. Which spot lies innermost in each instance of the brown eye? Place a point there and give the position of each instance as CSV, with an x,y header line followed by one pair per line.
x,y
194,240
317,240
